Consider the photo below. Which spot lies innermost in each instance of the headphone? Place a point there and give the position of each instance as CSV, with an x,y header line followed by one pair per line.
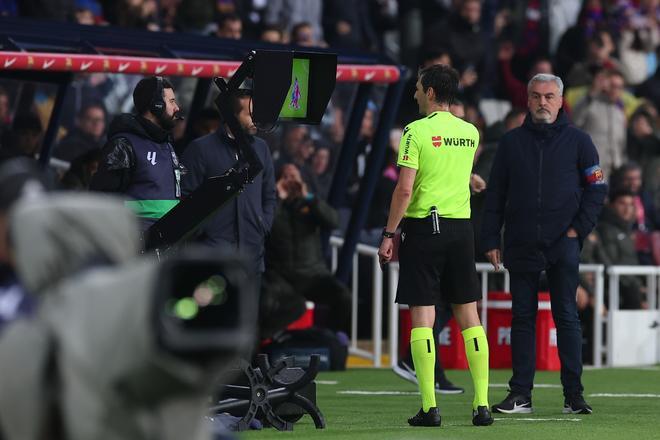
x,y
157,105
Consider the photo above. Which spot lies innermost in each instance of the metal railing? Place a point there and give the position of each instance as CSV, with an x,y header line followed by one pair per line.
x,y
614,273
485,270
377,300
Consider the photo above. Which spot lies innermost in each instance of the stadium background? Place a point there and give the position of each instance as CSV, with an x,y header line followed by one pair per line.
x,y
495,45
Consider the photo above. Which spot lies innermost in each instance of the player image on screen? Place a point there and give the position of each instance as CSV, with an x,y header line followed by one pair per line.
x,y
295,95
295,104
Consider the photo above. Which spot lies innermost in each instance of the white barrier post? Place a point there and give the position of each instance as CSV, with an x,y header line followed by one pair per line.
x,y
392,277
598,316
377,312
484,300
652,289
354,303
334,251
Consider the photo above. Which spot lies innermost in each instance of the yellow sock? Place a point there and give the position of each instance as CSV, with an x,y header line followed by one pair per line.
x,y
422,347
476,349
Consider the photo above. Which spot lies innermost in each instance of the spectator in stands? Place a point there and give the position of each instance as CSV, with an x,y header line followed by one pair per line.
x,y
87,136
273,34
297,148
141,14
572,48
347,24
650,88
461,34
364,148
600,113
294,259
242,224
195,16
24,138
527,23
322,171
88,12
84,16
600,50
385,19
561,17
638,39
230,26
287,13
615,245
516,90
628,178
5,110
138,159
643,145
302,34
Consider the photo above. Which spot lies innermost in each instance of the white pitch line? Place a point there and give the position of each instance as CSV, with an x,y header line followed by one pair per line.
x,y
379,393
653,396
649,368
326,382
536,385
529,419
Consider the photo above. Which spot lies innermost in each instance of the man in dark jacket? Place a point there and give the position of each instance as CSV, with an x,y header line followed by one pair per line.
x,y
547,189
138,160
296,269
244,222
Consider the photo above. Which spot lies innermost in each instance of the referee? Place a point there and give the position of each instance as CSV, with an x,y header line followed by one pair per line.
x,y
436,254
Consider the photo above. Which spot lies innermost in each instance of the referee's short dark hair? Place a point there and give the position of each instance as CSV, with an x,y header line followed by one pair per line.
x,y
444,81
145,93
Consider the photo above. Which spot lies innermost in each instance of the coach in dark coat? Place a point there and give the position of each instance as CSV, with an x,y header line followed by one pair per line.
x,y
546,188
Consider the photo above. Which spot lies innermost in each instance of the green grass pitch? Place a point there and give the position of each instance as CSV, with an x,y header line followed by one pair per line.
x,y
359,416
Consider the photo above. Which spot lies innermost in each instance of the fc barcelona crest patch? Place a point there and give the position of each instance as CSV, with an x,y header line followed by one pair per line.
x,y
594,175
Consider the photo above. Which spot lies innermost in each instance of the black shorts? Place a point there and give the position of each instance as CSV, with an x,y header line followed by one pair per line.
x,y
431,265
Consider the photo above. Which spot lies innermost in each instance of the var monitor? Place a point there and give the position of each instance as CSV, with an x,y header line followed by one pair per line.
x,y
292,86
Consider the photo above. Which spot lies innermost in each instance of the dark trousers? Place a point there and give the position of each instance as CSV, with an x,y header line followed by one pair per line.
x,y
562,274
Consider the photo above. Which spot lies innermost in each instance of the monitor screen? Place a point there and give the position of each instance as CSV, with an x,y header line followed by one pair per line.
x,y
295,104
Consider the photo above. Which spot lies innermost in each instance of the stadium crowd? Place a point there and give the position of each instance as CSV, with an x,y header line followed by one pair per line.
x,y
606,51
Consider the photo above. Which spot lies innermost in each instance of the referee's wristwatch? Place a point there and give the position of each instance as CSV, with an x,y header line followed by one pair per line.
x,y
388,234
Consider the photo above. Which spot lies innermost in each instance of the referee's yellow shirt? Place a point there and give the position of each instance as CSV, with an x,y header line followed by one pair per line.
x,y
441,148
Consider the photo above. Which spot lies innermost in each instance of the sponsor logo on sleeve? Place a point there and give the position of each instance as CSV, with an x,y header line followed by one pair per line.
x,y
405,157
